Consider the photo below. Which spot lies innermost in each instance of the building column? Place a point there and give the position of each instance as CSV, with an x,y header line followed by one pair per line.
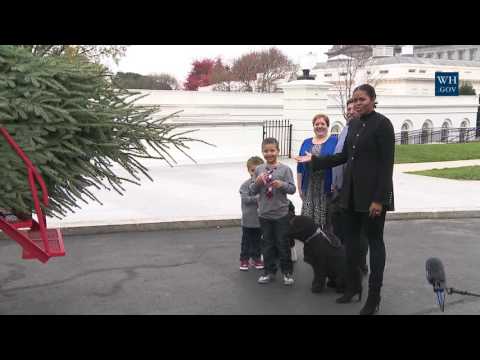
x,y
302,100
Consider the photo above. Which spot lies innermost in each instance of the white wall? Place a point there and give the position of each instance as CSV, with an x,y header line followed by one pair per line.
x,y
215,106
237,142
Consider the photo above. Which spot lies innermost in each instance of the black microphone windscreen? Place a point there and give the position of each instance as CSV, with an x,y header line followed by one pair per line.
x,y
435,272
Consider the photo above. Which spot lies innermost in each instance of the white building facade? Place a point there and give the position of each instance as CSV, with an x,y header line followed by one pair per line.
x,y
399,75
233,121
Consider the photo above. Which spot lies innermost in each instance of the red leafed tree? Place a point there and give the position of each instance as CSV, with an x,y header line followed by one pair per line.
x,y
200,75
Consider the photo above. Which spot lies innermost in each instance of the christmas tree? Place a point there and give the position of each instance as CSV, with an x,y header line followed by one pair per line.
x,y
74,124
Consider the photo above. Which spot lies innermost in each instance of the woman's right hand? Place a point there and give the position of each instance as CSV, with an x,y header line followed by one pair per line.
x,y
305,158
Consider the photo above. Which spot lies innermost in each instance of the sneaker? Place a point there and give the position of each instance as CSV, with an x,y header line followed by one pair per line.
x,y
266,278
258,264
294,254
288,279
244,265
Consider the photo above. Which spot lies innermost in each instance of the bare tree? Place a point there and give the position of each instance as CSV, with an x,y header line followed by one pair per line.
x,y
352,71
165,81
245,69
273,65
222,76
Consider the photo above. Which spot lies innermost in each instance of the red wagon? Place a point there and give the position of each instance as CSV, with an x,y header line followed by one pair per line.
x,y
36,240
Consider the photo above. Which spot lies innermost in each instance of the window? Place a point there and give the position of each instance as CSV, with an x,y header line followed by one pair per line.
x,y
342,74
327,75
404,134
422,71
463,132
426,134
369,72
444,132
473,54
336,130
383,71
411,70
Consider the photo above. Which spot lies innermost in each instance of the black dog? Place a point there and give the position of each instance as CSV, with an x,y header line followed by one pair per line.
x,y
291,214
323,252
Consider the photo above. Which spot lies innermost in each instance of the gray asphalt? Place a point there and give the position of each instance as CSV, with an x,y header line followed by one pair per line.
x,y
196,272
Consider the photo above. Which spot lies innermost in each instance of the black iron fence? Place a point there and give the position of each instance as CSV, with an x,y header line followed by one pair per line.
x,y
282,131
437,135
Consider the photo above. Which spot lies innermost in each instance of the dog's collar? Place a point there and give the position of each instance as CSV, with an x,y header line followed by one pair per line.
x,y
319,231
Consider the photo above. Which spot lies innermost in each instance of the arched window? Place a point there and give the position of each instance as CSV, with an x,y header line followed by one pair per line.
x,y
336,129
463,131
426,136
404,133
444,133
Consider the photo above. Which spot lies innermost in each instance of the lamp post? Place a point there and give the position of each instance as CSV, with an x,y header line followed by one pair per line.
x,y
307,63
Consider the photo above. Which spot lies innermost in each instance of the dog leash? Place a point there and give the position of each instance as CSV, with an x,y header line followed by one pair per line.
x,y
319,231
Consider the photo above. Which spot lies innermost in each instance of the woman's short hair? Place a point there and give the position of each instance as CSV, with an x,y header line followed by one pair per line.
x,y
370,91
321,116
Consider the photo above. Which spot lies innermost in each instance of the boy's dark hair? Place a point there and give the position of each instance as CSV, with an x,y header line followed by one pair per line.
x,y
349,101
254,160
270,140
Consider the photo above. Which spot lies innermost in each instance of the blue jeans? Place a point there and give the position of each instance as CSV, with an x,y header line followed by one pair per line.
x,y
275,245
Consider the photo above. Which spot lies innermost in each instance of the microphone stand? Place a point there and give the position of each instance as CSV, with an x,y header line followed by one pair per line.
x,y
460,292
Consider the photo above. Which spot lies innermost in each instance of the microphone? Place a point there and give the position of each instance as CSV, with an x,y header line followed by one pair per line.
x,y
436,277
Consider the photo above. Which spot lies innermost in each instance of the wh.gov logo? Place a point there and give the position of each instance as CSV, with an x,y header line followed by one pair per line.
x,y
446,84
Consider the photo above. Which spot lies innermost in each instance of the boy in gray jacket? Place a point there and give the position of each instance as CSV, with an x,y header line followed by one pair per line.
x,y
251,233
273,181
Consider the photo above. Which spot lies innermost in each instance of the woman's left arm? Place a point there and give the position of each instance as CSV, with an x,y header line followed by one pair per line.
x,y
385,139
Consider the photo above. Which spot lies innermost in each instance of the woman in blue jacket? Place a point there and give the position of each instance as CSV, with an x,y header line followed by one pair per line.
x,y
314,187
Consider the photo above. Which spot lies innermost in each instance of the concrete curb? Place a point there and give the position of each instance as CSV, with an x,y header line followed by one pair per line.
x,y
213,223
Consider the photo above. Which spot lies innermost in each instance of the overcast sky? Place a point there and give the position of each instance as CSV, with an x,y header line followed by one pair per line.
x,y
177,59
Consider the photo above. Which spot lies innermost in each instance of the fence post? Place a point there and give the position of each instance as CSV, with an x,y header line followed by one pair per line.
x,y
290,141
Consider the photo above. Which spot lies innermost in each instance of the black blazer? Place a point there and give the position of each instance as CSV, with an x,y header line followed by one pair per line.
x,y
369,153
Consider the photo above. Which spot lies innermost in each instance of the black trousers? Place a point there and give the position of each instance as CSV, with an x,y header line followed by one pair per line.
x,y
275,245
354,222
251,243
338,227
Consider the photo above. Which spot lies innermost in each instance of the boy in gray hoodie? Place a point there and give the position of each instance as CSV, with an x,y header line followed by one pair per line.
x,y
273,181
251,233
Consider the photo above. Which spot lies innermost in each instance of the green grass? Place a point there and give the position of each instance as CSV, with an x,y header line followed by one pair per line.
x,y
436,152
458,173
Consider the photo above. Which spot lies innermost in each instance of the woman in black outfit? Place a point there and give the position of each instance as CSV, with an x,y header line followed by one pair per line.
x,y
367,192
